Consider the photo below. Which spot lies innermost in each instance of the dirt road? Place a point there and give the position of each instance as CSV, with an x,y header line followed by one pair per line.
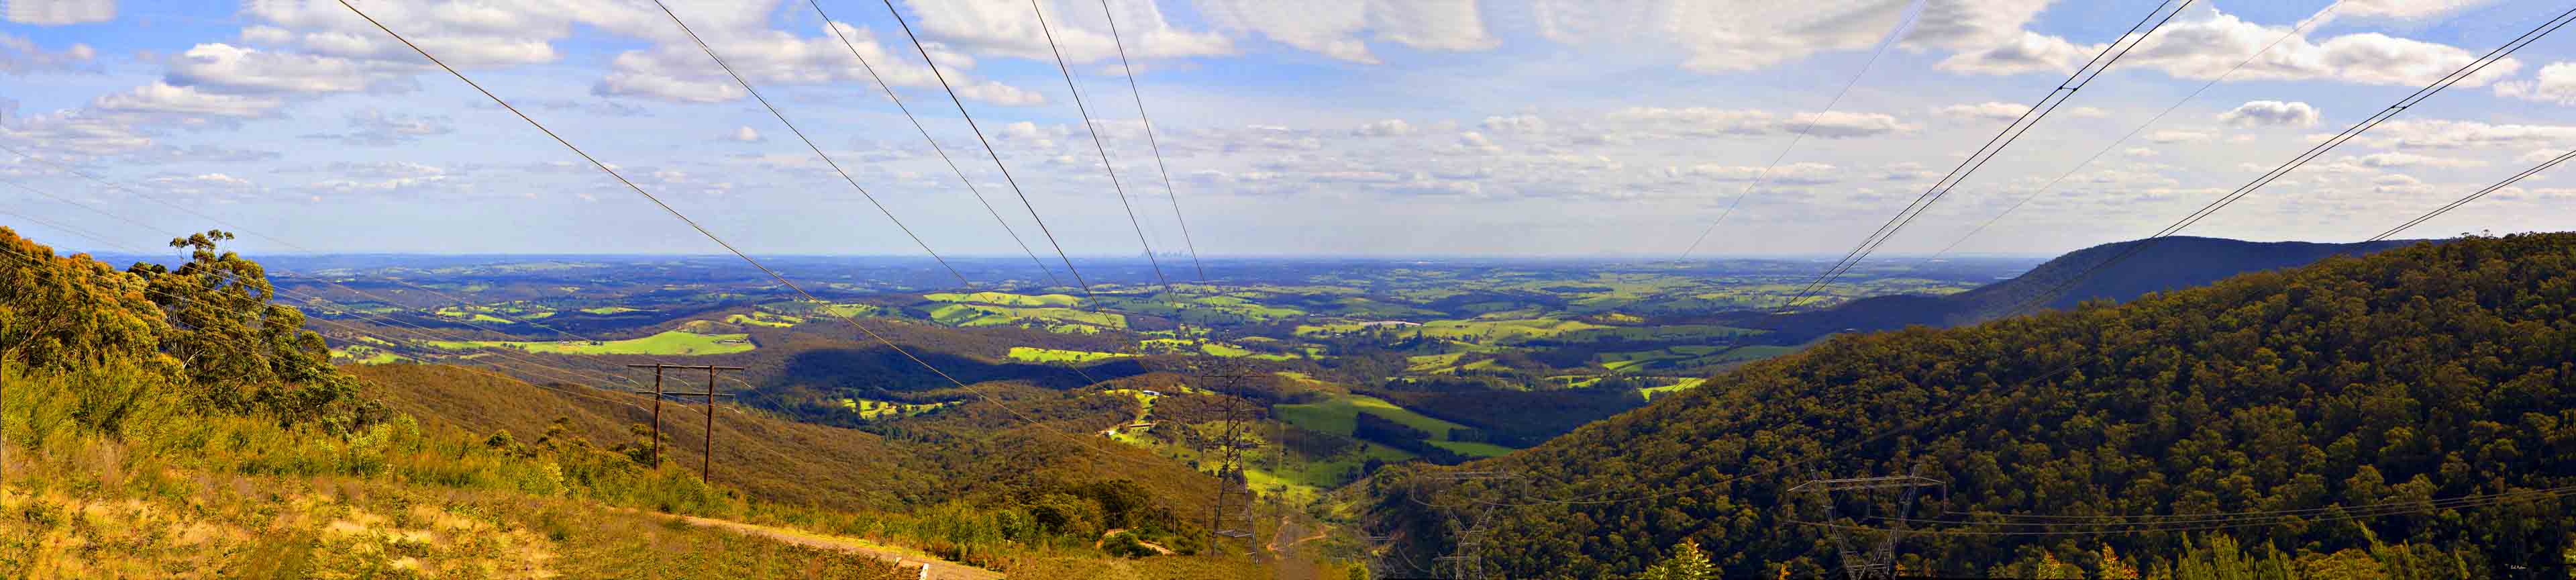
x,y
937,569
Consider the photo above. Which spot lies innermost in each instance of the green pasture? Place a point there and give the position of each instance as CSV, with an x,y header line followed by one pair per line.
x,y
667,343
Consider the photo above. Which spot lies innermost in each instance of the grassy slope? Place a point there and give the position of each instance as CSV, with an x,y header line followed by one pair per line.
x,y
1338,413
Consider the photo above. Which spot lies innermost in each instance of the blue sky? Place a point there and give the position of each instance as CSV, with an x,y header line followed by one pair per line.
x,y
1536,127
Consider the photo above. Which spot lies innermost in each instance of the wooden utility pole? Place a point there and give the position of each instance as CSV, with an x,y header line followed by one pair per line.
x,y
706,465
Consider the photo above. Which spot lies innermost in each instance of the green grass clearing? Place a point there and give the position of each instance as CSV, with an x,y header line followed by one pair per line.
x,y
667,343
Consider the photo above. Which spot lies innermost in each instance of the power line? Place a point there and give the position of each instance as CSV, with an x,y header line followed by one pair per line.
x,y
2037,111
1799,133
988,145
1150,140
2446,208
710,235
934,144
809,143
1094,129
2320,16
2302,159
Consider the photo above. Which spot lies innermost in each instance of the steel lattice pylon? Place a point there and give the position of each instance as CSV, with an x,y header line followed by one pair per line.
x,y
1879,561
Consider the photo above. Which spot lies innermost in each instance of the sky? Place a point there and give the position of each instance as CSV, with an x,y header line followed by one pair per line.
x,y
1318,127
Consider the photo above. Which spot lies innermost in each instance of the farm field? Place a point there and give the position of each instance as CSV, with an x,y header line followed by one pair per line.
x,y
667,343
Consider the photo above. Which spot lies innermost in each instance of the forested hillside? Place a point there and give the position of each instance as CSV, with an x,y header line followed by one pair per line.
x,y
2432,371
2162,265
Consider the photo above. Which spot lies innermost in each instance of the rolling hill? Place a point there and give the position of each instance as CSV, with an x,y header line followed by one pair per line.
x,y
2169,264
2431,371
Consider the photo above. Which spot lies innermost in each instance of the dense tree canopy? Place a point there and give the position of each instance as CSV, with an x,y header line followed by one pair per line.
x,y
2427,372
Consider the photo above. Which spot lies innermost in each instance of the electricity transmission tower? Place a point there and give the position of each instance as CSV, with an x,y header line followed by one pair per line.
x,y
1879,562
1231,514
707,465
1467,533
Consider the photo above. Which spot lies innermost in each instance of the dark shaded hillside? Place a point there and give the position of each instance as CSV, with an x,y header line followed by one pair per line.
x,y
2432,371
2172,263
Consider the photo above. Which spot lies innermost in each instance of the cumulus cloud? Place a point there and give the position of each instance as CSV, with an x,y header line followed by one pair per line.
x,y
2271,113
2208,48
1802,173
1342,29
1081,31
2024,53
1474,142
382,176
2407,9
1383,128
165,98
376,128
66,133
59,12
2555,83
2396,159
746,134
20,56
681,71
1990,111
1709,121
1741,35
2450,134
1522,124
2180,136
240,69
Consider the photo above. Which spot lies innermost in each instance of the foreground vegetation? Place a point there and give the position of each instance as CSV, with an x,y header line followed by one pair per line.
x,y
174,421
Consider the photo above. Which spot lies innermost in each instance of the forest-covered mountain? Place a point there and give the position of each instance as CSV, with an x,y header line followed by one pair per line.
x,y
2159,266
2431,371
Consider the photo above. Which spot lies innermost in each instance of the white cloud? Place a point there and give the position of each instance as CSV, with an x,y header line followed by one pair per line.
x,y
2272,113
2555,83
2180,136
164,98
59,12
2207,48
203,180
1474,142
1839,125
1334,28
1990,111
2407,9
1521,124
2395,159
2539,155
2140,152
1081,32
746,134
1741,35
1708,121
2026,53
20,56
382,176
70,132
681,71
2450,134
376,128
1802,173
240,69
1383,128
